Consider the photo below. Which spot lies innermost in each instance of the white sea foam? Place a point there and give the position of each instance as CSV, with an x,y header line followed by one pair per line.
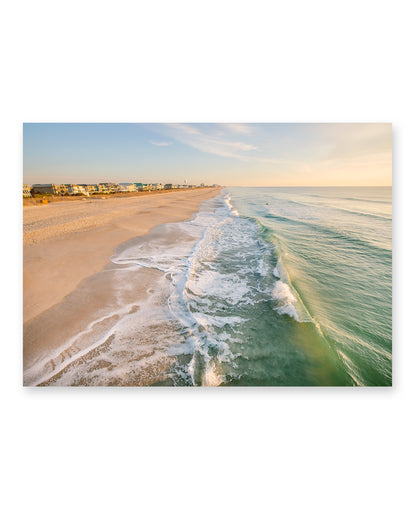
x,y
199,290
262,268
228,287
285,299
164,249
211,376
218,321
227,200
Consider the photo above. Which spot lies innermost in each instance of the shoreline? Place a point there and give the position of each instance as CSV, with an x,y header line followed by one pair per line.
x,y
69,248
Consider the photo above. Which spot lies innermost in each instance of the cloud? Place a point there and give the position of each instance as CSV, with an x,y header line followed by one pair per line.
x,y
160,143
293,149
209,140
238,128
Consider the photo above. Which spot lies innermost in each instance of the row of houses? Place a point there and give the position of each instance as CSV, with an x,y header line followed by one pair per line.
x,y
100,188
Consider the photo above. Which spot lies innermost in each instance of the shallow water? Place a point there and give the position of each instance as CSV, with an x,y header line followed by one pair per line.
x,y
263,286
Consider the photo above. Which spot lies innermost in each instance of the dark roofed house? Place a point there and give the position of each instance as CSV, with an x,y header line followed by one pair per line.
x,y
47,189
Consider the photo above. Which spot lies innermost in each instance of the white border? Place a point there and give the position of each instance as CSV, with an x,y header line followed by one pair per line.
x,y
211,453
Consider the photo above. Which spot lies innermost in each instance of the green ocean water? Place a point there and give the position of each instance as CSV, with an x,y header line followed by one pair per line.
x,y
331,253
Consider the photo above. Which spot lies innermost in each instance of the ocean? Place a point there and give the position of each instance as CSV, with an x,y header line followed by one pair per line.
x,y
332,257
262,287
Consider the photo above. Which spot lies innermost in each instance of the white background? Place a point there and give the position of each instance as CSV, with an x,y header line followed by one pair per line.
x,y
208,453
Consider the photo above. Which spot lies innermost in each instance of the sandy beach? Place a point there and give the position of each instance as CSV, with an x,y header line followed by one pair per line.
x,y
67,246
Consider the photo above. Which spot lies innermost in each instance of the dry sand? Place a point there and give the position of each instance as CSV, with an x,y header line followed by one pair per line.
x,y
67,242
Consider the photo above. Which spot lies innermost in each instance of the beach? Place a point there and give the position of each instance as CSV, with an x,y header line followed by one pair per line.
x,y
210,287
67,244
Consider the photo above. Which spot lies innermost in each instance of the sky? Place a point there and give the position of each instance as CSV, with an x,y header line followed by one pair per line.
x,y
229,154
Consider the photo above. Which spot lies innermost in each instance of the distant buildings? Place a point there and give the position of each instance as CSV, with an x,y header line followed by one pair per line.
x,y
101,188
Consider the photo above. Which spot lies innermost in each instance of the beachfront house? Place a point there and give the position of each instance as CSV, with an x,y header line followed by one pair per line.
x,y
48,189
127,186
76,189
90,188
103,188
142,186
113,187
108,187
26,191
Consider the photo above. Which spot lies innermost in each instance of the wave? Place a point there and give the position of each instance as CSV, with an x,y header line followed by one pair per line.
x,y
337,208
334,233
356,199
227,200
285,300
360,213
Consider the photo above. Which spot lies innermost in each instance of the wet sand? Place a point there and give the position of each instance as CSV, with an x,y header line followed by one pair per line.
x,y
66,243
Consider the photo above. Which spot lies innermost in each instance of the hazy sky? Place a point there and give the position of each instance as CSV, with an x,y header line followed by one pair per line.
x,y
231,154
